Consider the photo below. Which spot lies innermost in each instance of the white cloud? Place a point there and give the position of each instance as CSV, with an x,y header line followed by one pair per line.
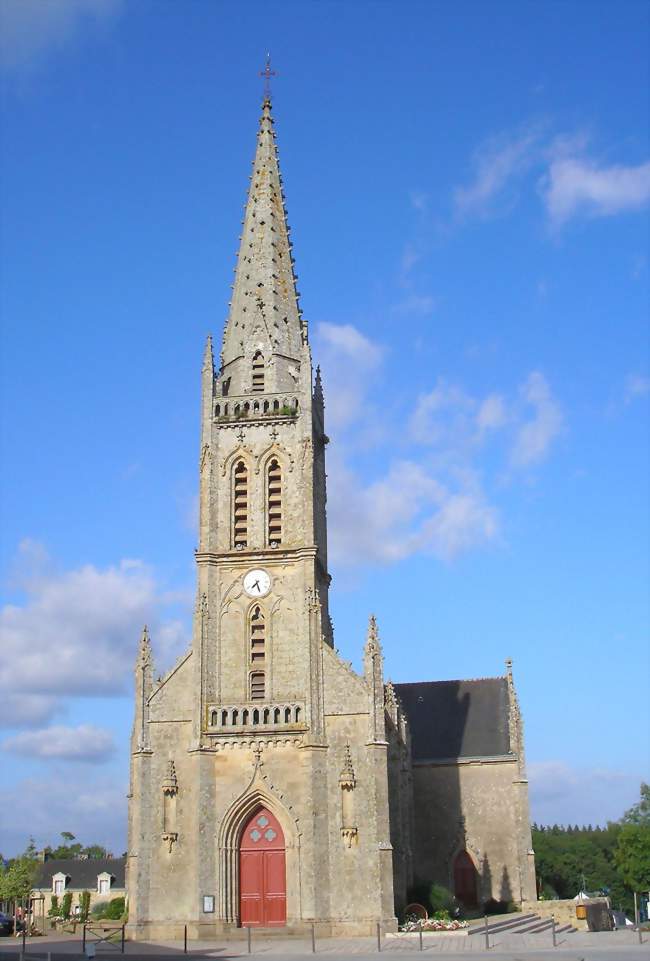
x,y
18,709
30,29
350,364
636,385
577,186
76,632
536,434
569,182
83,743
407,511
351,342
418,304
498,163
94,806
561,794
492,413
433,501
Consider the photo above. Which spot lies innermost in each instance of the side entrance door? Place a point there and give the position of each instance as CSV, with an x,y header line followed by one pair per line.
x,y
262,874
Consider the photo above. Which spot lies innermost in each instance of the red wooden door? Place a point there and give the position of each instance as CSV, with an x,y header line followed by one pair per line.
x,y
262,874
465,879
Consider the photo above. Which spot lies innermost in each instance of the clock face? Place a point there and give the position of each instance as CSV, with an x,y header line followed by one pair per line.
x,y
257,583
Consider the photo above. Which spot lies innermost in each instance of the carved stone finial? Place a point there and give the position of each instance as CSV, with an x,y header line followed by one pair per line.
x,y
373,645
145,658
257,755
390,697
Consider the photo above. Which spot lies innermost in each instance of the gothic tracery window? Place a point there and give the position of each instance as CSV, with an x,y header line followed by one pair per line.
x,y
240,504
274,509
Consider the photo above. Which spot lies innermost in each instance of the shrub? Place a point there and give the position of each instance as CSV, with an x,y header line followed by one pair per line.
x,y
441,915
115,909
84,904
441,899
53,911
99,909
66,904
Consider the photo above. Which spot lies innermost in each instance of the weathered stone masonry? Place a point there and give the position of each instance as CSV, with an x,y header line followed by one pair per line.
x,y
261,715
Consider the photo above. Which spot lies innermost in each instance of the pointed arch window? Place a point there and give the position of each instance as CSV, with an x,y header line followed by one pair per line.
x,y
274,502
240,504
257,635
258,372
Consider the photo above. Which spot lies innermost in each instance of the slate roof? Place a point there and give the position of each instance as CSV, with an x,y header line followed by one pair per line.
x,y
82,873
455,719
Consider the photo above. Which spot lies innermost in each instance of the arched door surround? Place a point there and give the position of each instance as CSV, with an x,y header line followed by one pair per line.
x,y
262,872
465,879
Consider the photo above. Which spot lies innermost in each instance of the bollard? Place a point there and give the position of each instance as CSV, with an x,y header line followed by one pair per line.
x,y
122,944
487,934
83,940
185,940
49,956
420,933
22,950
313,938
640,935
248,935
553,930
378,936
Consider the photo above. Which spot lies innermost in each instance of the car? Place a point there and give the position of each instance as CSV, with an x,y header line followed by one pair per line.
x,y
6,924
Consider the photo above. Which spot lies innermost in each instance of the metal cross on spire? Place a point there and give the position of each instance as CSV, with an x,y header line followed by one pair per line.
x,y
267,73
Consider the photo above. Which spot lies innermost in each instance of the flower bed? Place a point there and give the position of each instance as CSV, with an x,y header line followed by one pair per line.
x,y
432,924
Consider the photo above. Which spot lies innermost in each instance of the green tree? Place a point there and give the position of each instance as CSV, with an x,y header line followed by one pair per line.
x,y
632,855
17,881
639,813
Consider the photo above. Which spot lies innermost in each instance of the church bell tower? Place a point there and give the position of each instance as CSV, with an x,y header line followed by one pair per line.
x,y
262,556
259,791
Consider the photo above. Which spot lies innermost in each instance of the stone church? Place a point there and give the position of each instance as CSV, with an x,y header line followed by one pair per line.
x,y
271,784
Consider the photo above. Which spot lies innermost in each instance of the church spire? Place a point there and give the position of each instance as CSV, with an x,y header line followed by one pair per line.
x,y
264,311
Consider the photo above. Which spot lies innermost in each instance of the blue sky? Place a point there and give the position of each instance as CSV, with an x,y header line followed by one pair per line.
x,y
467,187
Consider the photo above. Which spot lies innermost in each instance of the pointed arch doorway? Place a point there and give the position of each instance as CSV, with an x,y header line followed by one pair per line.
x,y
465,879
262,872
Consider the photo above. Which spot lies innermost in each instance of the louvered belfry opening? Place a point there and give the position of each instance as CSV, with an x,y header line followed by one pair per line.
x,y
258,636
240,504
258,688
274,487
258,373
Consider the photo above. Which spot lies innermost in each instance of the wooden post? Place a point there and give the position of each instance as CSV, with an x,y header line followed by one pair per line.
x,y
185,940
487,934
378,936
83,940
553,930
313,938
122,944
420,933
248,935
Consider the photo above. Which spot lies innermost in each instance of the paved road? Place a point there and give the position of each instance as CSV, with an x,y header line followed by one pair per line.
x,y
615,946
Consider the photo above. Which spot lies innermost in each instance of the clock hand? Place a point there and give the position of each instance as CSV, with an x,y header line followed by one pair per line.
x,y
257,585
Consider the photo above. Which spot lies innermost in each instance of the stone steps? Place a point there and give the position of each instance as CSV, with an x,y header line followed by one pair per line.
x,y
522,924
